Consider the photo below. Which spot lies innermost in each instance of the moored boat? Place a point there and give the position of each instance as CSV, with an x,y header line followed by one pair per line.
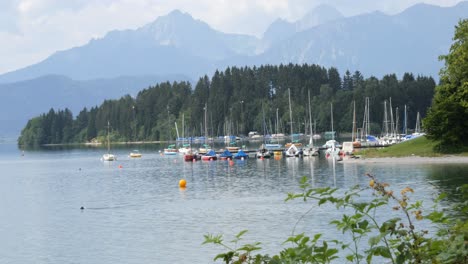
x,y
292,151
226,155
135,154
263,153
170,150
185,148
108,156
241,155
191,156
210,155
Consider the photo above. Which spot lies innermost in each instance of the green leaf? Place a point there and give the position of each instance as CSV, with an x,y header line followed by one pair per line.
x,y
374,240
382,251
241,233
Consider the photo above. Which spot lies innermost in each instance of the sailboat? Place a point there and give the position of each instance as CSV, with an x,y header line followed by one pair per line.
x,y
108,156
275,147
292,151
205,148
171,149
333,150
263,152
186,148
365,138
135,153
310,150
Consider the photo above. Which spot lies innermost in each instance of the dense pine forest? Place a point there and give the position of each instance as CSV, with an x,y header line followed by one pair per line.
x,y
239,100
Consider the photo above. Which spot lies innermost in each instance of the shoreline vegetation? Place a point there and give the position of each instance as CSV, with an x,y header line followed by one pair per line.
x,y
235,101
420,150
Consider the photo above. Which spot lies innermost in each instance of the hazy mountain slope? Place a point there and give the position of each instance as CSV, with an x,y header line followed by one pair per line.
x,y
375,43
281,29
173,44
23,100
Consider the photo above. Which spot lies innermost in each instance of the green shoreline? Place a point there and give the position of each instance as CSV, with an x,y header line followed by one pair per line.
x,y
102,144
421,147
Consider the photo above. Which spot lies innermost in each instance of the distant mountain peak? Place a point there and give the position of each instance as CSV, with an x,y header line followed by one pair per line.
x,y
175,18
319,15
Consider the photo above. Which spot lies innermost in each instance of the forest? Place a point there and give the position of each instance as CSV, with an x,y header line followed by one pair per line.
x,y
239,100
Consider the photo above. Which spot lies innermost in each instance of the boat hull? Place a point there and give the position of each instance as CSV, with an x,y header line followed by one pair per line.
x,y
209,158
109,157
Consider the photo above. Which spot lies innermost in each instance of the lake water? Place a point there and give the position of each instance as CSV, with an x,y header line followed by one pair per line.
x,y
138,214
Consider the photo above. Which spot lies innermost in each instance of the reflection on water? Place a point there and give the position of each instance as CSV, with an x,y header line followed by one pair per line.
x,y
135,211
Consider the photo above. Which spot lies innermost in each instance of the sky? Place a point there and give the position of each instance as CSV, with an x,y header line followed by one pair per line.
x,y
32,30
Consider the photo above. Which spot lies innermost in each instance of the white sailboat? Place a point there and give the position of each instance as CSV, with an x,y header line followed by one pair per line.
x,y
293,142
108,156
263,151
310,150
186,148
333,150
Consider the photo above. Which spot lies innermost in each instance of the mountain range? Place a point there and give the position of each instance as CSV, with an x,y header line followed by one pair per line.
x,y
179,47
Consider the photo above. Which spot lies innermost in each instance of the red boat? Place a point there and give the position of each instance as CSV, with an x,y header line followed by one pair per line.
x,y
190,156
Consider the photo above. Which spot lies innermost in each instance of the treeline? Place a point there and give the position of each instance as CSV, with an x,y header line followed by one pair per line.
x,y
238,100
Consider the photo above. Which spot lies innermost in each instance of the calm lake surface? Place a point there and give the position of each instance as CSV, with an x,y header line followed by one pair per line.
x,y
138,214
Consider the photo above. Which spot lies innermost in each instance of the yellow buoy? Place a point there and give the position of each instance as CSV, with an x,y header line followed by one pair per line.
x,y
182,183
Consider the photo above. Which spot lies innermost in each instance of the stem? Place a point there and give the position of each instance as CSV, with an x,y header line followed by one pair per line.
x,y
356,249
384,237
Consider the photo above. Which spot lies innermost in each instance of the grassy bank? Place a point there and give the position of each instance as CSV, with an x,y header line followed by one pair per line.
x,y
420,146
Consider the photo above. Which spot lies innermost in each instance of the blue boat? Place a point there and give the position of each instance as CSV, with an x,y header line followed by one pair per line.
x,y
225,155
211,155
241,155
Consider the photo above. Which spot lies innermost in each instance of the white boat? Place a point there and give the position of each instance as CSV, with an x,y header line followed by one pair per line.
x,y
292,151
135,154
331,143
333,151
293,142
316,136
310,149
263,153
170,150
186,148
108,156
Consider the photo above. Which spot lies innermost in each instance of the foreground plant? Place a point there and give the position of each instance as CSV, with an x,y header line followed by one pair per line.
x,y
383,229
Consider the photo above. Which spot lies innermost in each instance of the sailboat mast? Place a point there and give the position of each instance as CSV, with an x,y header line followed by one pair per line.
x,y
206,126
108,139
418,125
368,117
277,123
310,121
392,124
353,133
397,121
405,129
385,133
290,114
331,112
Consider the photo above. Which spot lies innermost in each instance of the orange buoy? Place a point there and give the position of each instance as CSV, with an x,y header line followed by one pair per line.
x,y
120,166
182,183
231,163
